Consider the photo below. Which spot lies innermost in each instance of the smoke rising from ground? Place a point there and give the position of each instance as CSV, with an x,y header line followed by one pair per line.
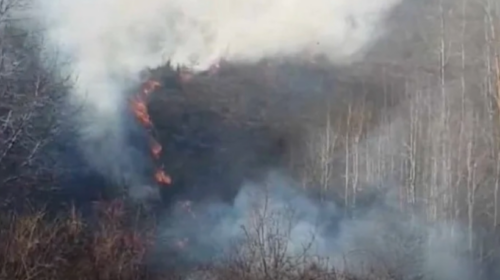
x,y
275,218
110,42
114,36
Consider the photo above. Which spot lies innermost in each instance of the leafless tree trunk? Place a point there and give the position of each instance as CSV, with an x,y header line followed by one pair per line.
x,y
347,144
31,95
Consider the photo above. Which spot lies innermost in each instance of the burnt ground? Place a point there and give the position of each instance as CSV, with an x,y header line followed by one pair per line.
x,y
218,131
222,129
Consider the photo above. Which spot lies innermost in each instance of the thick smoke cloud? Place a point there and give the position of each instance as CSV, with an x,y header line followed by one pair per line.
x,y
115,36
109,42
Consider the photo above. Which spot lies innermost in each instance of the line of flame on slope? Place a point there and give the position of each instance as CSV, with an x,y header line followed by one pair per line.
x,y
140,110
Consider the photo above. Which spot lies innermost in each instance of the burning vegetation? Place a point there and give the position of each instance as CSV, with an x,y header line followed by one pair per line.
x,y
422,125
140,109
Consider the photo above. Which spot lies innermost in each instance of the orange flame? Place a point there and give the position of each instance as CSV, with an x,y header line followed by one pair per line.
x,y
140,110
162,178
156,148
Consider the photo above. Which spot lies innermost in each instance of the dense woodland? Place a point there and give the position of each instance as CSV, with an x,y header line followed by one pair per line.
x,y
416,120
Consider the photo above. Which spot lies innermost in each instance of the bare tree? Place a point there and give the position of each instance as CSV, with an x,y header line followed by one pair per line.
x,y
31,95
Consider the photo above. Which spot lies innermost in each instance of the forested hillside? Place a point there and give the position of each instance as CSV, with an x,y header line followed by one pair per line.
x,y
392,161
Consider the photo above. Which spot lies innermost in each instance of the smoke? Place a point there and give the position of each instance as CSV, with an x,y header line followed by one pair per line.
x,y
110,42
274,220
126,36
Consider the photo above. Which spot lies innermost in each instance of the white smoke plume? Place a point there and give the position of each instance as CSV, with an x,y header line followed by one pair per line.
x,y
109,42
112,36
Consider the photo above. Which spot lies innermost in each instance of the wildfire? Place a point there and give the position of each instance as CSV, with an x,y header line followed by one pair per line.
x,y
156,148
139,108
162,178
141,112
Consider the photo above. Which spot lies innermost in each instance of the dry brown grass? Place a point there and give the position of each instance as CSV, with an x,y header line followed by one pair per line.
x,y
36,246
